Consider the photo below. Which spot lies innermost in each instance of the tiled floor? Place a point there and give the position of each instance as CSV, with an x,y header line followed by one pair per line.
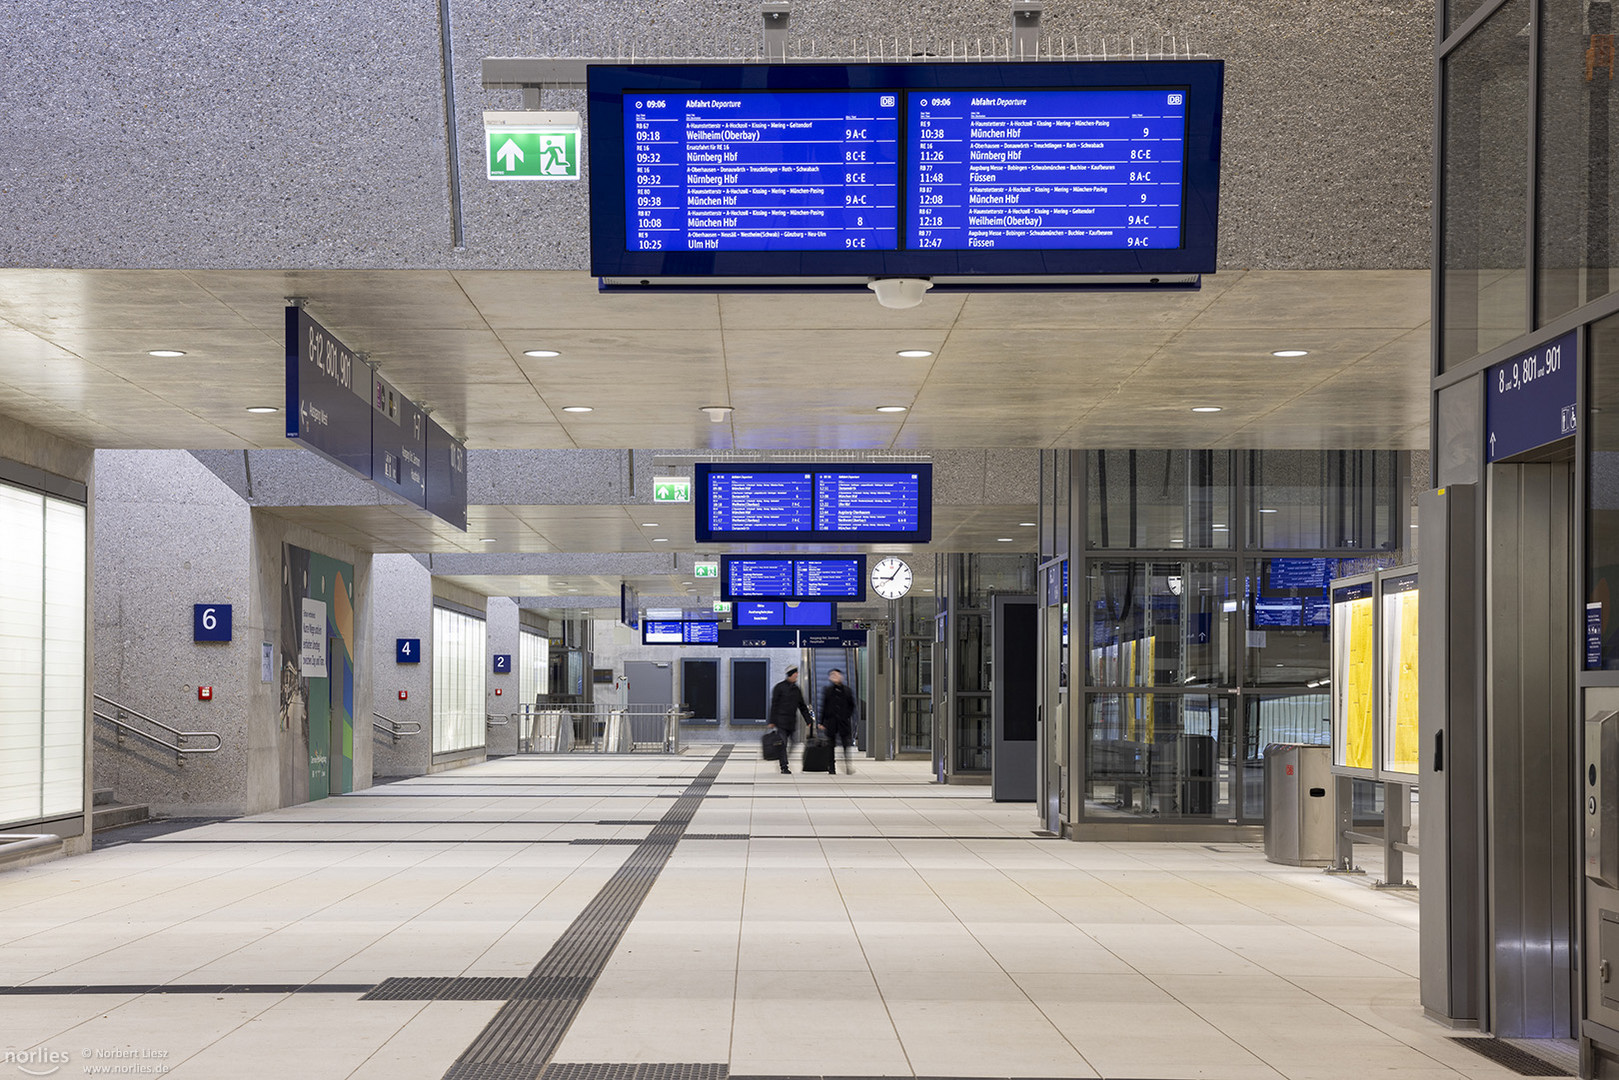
x,y
873,925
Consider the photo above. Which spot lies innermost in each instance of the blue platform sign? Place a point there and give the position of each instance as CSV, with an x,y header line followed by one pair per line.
x,y
408,650
398,443
446,476
503,663
328,394
1531,400
1593,637
758,639
832,639
210,622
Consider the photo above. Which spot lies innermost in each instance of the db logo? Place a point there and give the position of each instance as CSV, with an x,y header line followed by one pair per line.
x,y
1290,770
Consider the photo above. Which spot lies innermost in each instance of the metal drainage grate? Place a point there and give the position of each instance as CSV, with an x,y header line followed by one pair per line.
x,y
488,988
650,1070
1510,1057
717,836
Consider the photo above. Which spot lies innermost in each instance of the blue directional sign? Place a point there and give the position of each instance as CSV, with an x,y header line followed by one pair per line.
x,y
210,622
832,639
398,442
758,639
328,394
503,663
446,476
1531,400
408,650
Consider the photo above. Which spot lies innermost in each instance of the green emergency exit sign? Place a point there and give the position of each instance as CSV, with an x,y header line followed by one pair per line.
x,y
532,145
706,569
671,489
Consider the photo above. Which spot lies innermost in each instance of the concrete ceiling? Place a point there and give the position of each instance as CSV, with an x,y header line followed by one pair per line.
x,y
801,371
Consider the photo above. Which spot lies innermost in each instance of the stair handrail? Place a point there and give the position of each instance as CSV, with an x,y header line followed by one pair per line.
x,y
492,720
395,729
178,747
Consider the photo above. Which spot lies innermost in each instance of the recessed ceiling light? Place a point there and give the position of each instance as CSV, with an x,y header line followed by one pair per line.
x,y
915,354
660,539
1269,510
891,408
1205,408
1221,528
649,524
164,352
687,583
1291,352
577,408
1003,539
1027,524
544,353
486,539
262,409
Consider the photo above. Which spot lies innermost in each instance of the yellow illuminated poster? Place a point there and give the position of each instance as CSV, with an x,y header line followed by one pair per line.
x,y
1354,654
1400,681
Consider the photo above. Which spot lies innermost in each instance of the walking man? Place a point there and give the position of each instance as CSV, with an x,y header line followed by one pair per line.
x,y
837,719
786,703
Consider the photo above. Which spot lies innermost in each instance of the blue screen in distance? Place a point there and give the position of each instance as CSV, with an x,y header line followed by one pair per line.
x,y
1054,169
702,633
662,632
762,171
760,502
751,613
814,613
867,502
760,577
836,578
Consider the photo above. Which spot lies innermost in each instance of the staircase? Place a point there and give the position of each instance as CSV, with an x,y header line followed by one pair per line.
x,y
108,813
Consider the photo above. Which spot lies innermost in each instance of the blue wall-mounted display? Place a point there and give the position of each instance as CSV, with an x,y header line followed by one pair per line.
x,y
679,632
407,650
210,622
1531,400
812,613
816,503
829,175
446,475
328,394
798,577
503,663
398,443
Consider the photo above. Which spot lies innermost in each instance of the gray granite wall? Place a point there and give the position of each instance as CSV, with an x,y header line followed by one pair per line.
x,y
239,134
502,627
401,607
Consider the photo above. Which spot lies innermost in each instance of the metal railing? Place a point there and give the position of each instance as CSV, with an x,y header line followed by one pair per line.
x,y
122,714
600,729
395,729
495,720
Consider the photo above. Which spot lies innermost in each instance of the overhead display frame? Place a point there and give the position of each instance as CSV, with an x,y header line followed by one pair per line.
x,y
828,503
972,175
793,577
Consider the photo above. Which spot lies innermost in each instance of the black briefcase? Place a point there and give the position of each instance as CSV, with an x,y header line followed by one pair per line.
x,y
773,747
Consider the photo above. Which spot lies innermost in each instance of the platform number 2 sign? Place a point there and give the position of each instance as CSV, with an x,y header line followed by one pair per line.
x,y
503,663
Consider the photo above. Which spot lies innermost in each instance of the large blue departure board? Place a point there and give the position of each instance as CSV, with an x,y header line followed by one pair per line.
x,y
817,503
680,632
797,577
1046,169
762,171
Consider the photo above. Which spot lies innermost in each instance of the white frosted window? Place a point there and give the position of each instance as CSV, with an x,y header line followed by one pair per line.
x,y
458,681
42,602
533,662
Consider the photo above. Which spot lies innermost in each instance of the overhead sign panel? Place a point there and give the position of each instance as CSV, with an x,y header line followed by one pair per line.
x,y
671,489
816,503
784,613
446,475
680,632
328,394
398,443
799,577
1532,399
758,639
832,639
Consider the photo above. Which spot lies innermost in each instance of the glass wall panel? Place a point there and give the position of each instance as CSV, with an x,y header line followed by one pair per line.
x,y
1331,499
42,646
1159,755
1486,148
459,655
1161,623
1602,495
981,577
1303,716
1159,498
1288,618
534,665
1577,240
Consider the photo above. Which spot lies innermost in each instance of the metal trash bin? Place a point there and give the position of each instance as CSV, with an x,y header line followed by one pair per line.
x,y
1299,818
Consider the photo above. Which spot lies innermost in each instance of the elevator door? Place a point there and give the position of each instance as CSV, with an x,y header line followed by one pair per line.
x,y
1529,750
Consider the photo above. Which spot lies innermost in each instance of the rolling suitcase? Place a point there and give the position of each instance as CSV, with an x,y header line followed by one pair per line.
x,y
817,755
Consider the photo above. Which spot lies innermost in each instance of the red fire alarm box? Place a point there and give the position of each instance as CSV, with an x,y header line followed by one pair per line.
x,y
497,691
404,695
205,693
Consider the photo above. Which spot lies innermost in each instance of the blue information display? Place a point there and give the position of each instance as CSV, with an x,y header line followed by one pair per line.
x,y
858,502
446,476
761,171
747,502
398,443
1531,400
758,639
818,503
328,394
1299,573
799,577
1001,169
748,613
832,639
210,622
679,632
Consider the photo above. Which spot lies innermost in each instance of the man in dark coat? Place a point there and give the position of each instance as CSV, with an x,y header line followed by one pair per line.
x,y
786,703
837,719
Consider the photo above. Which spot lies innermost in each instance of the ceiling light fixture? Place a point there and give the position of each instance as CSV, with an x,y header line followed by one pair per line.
x,y
716,413
660,539
891,408
262,409
486,539
1003,539
1269,510
164,352
915,354
543,354
1205,408
1027,524
1289,353
577,408
649,524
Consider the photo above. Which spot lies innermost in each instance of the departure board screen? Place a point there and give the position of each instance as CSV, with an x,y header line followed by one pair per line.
x,y
680,632
812,613
754,501
762,171
798,578
1046,169
867,502
816,503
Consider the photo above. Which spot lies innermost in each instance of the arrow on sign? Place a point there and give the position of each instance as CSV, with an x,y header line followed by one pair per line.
x,y
509,155
1492,443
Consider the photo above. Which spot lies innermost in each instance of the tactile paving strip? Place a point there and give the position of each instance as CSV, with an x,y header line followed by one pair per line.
x,y
527,1030
650,1070
460,988
1511,1057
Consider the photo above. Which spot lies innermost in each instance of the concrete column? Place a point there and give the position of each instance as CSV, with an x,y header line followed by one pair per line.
x,y
502,687
402,607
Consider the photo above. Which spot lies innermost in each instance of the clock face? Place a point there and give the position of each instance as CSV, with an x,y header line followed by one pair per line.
x,y
891,578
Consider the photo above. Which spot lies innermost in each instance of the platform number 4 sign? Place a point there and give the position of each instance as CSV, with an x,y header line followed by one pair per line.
x,y
503,663
408,650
